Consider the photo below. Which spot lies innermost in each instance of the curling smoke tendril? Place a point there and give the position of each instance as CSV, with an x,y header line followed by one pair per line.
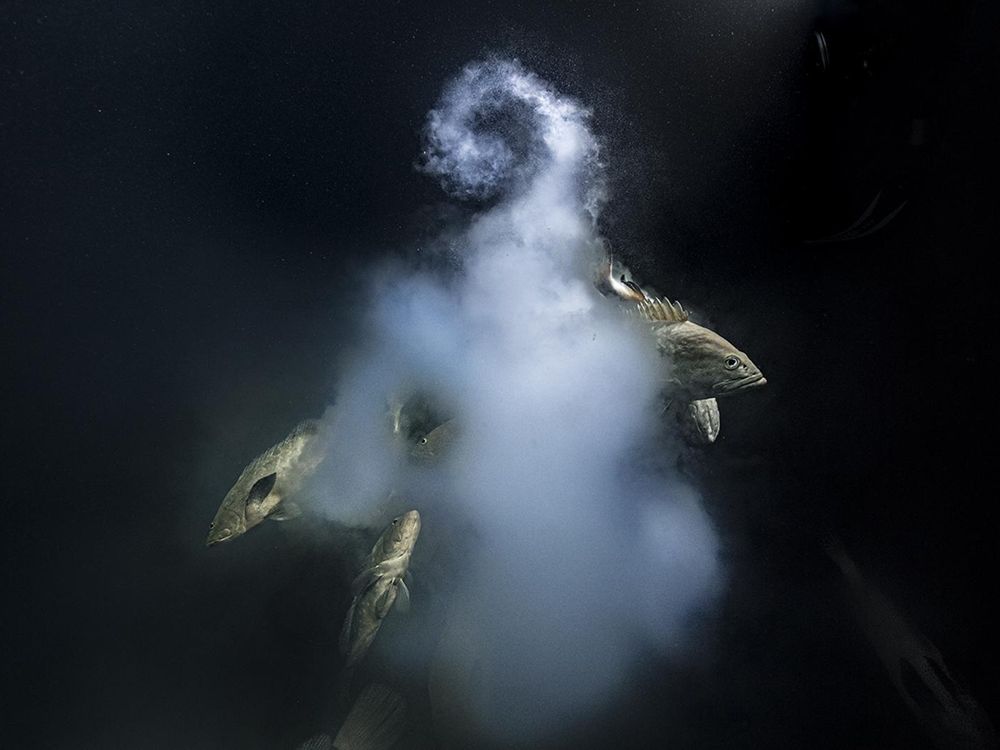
x,y
498,125
588,548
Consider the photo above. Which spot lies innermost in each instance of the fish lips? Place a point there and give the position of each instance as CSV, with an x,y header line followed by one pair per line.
x,y
214,538
754,380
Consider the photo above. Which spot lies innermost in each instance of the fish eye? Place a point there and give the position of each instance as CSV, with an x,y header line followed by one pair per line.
x,y
423,440
732,362
395,521
212,525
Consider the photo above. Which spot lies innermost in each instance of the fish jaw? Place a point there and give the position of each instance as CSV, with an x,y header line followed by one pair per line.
x,y
226,525
218,538
751,381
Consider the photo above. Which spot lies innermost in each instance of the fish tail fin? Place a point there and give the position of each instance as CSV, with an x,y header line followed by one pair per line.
x,y
319,742
376,721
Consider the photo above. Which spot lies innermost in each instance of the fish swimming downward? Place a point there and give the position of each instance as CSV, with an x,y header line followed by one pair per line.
x,y
263,488
376,722
950,717
379,586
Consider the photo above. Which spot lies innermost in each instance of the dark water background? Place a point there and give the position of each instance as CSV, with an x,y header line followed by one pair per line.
x,y
188,193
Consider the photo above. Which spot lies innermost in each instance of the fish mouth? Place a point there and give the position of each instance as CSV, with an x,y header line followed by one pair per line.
x,y
754,380
213,540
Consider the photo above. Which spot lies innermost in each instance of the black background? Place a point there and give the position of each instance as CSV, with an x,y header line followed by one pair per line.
x,y
191,191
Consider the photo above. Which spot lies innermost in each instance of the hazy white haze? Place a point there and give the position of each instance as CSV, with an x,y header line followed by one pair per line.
x,y
579,546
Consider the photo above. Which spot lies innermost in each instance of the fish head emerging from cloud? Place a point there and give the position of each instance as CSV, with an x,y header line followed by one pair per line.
x,y
702,364
238,511
227,524
399,537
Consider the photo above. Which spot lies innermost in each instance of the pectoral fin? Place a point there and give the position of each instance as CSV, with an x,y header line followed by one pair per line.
x,y
286,511
261,489
699,421
385,600
403,598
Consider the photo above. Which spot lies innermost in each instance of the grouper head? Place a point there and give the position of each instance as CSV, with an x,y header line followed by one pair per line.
x,y
400,536
702,363
227,524
230,520
705,365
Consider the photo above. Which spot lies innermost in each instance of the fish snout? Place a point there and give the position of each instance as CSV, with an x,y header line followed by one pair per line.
x,y
412,518
752,376
409,523
216,537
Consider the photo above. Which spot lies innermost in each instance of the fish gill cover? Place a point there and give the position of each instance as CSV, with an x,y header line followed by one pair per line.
x,y
580,547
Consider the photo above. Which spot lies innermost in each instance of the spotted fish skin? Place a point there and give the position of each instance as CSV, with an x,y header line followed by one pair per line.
x,y
264,487
379,585
700,364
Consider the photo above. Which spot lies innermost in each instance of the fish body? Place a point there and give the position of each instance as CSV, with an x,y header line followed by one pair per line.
x,y
263,488
379,585
376,721
701,364
431,445
948,714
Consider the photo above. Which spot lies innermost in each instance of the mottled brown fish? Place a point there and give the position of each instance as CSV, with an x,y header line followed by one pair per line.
x,y
263,488
379,586
702,364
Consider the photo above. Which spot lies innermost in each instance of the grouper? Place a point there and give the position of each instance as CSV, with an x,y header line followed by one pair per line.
x,y
701,365
263,488
379,586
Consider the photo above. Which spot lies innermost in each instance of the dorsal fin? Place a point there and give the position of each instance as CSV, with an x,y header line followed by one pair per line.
x,y
662,310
